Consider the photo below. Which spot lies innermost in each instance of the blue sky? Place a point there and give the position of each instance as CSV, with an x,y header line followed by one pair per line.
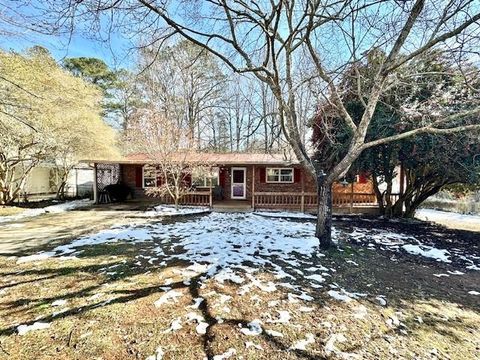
x,y
114,53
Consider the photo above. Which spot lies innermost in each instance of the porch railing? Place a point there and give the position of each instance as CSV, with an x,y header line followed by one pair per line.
x,y
308,200
196,198
302,201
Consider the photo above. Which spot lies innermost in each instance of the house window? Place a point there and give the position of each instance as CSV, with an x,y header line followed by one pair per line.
x,y
279,175
149,176
202,177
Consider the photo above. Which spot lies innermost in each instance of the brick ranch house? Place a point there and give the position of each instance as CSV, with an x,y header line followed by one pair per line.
x,y
236,180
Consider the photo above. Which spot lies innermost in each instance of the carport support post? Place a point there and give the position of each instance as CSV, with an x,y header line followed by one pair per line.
x,y
95,187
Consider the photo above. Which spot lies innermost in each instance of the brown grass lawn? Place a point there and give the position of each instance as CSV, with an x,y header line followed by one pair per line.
x,y
108,311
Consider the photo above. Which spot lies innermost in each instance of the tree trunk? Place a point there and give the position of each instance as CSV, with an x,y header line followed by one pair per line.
x,y
388,199
324,216
63,184
378,195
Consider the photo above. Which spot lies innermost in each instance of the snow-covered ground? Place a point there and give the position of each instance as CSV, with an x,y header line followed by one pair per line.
x,y
57,208
258,254
286,214
376,238
220,243
445,216
169,210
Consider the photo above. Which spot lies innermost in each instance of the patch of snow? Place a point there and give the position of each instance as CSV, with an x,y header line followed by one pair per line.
x,y
316,277
35,257
57,208
441,216
441,275
428,251
381,300
169,210
302,344
157,356
474,292
175,325
201,328
254,328
114,234
269,287
456,272
23,329
249,344
198,268
284,317
273,333
197,302
59,302
340,295
171,295
330,345
229,275
294,298
226,355
285,214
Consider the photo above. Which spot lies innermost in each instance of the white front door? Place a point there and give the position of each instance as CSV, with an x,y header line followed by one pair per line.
x,y
239,180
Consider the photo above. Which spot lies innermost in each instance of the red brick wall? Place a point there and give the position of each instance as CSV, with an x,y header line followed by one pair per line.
x,y
129,177
309,182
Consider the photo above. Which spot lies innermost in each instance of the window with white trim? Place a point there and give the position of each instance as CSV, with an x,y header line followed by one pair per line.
x,y
279,175
149,176
202,177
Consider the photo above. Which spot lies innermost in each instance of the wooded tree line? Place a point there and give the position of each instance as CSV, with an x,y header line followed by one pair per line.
x,y
222,111
181,81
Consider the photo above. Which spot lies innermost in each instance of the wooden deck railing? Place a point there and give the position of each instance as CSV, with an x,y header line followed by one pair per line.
x,y
284,200
278,199
304,201
354,199
197,198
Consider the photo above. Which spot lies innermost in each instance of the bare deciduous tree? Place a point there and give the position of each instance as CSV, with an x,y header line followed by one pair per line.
x,y
168,147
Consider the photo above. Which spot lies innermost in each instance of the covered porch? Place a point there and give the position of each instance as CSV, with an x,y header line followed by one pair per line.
x,y
237,187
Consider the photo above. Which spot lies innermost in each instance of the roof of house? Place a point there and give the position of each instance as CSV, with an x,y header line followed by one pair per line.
x,y
207,158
